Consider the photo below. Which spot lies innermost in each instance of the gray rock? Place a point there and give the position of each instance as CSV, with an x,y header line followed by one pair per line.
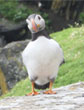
x,y
13,31
67,98
11,62
2,41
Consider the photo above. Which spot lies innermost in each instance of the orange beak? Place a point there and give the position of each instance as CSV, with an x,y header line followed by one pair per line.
x,y
34,26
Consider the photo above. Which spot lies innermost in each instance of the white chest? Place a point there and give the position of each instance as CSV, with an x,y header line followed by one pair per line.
x,y
42,58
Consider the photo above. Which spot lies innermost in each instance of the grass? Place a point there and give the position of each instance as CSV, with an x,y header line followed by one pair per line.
x,y
72,43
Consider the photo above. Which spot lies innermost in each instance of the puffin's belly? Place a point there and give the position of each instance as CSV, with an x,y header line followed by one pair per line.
x,y
43,66
43,72
42,59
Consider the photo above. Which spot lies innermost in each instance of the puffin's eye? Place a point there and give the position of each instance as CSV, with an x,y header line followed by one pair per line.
x,y
39,17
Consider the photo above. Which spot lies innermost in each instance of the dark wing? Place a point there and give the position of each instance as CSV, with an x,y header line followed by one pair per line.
x,y
62,62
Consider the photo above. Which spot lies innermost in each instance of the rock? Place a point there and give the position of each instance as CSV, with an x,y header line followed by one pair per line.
x,y
13,31
2,41
67,98
11,62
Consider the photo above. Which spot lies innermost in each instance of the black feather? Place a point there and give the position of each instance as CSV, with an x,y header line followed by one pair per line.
x,y
62,62
41,86
40,33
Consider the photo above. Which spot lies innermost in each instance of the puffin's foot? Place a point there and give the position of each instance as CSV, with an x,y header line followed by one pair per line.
x,y
32,93
49,92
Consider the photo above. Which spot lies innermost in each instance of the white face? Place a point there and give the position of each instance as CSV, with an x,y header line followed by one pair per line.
x,y
29,24
35,23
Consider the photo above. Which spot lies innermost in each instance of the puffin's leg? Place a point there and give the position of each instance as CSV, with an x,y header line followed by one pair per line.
x,y
50,89
33,91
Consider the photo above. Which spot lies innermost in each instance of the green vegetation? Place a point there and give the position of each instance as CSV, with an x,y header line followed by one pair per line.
x,y
81,17
13,10
48,22
72,42
3,83
16,12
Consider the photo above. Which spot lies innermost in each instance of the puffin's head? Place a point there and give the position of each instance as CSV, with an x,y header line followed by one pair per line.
x,y
35,23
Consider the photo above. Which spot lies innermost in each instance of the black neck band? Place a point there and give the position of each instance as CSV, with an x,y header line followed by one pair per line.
x,y
38,34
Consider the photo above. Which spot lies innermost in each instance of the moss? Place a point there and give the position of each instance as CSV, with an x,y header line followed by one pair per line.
x,y
3,84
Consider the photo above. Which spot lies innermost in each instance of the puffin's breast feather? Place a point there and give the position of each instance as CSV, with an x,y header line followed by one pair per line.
x,y
42,47
42,58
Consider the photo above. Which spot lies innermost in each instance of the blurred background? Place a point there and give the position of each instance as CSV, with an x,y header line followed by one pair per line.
x,y
14,34
58,14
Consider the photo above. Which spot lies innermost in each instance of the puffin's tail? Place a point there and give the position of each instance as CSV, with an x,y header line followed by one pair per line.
x,y
42,86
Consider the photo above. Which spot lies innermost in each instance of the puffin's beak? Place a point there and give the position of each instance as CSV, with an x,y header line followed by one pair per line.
x,y
34,25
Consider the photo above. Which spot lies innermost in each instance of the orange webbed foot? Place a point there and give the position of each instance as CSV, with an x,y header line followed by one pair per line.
x,y
32,93
49,92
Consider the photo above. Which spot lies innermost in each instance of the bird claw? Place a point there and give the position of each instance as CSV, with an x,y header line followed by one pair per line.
x,y
49,92
32,93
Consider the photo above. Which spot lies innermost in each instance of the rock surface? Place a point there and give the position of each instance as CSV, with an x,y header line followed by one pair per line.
x,y
13,31
69,97
11,62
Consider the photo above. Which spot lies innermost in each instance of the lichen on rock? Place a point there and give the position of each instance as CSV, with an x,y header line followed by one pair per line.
x,y
11,62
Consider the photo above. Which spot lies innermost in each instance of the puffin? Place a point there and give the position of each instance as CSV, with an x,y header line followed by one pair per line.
x,y
42,57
